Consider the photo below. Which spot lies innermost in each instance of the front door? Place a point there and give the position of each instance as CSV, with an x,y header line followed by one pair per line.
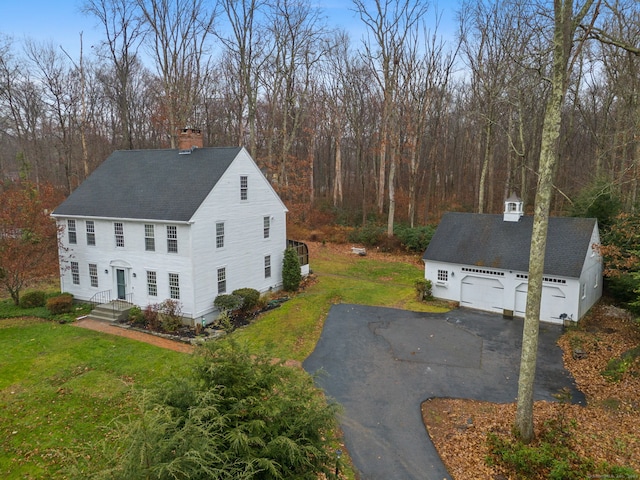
x,y
122,286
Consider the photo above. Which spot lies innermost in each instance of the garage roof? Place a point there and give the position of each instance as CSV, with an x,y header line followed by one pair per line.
x,y
487,240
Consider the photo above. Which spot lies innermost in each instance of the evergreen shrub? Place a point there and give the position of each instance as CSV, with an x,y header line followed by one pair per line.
x,y
33,299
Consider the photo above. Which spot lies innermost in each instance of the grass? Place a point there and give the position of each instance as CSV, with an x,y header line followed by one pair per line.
x,y
61,386
292,331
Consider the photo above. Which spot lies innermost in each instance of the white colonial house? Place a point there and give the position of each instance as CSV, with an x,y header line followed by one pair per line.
x,y
482,262
186,224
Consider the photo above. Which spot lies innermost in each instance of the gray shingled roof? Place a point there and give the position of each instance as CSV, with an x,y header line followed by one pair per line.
x,y
149,184
486,240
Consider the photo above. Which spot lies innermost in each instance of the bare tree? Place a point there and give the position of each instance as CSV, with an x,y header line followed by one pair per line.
x,y
177,35
247,50
390,25
59,89
122,29
299,44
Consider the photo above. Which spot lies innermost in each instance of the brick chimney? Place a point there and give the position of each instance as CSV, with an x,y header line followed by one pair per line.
x,y
189,138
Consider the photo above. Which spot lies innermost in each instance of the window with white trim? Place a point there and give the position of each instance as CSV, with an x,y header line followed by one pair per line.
x,y
266,226
174,286
93,274
90,228
172,239
118,231
75,273
152,284
150,238
244,187
222,280
219,235
443,275
71,229
267,266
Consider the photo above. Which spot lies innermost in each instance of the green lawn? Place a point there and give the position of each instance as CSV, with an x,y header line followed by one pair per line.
x,y
61,386
292,331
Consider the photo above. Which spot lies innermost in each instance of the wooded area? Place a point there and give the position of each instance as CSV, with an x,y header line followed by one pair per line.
x,y
400,125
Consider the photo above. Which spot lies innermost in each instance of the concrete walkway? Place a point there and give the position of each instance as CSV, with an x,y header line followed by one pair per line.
x,y
380,364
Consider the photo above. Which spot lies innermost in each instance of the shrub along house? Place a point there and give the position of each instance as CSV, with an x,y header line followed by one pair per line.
x,y
186,224
482,262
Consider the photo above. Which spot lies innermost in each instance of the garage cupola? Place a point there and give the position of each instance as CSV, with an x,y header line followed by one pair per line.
x,y
513,209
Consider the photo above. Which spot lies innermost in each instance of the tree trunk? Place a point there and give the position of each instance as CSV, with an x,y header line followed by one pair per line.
x,y
564,28
337,177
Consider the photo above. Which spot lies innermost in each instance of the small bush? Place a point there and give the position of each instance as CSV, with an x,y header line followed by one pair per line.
x,y
33,299
60,304
415,239
369,235
423,289
170,315
151,317
136,316
250,298
291,276
617,367
223,322
227,302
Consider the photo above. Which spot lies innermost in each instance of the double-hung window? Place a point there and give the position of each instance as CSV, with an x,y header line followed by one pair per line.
x,y
71,229
266,226
267,266
149,238
75,273
152,284
174,286
172,239
93,274
244,187
222,280
219,235
118,230
90,227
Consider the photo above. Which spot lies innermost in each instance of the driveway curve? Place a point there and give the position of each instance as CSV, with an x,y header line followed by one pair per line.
x,y
380,364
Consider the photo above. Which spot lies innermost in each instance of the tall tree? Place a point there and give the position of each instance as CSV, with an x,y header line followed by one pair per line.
x,y
247,49
565,24
299,44
177,39
122,29
391,25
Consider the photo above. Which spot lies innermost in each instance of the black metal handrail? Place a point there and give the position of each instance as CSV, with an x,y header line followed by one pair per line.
x,y
100,298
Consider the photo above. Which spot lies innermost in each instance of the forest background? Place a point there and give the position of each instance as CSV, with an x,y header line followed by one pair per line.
x,y
397,126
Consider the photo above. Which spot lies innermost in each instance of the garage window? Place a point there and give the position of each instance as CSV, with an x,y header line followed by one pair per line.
x,y
443,276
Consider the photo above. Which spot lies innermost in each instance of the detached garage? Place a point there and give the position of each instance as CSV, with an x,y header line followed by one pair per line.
x,y
482,262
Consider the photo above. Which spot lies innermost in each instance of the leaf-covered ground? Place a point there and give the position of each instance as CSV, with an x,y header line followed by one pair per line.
x,y
606,430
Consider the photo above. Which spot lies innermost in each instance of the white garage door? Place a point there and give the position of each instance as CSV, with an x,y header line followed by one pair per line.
x,y
551,306
482,293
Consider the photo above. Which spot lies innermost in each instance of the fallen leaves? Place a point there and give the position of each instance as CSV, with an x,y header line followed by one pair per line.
x,y
607,430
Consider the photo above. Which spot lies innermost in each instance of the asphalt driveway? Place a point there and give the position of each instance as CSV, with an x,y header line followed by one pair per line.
x,y
380,364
